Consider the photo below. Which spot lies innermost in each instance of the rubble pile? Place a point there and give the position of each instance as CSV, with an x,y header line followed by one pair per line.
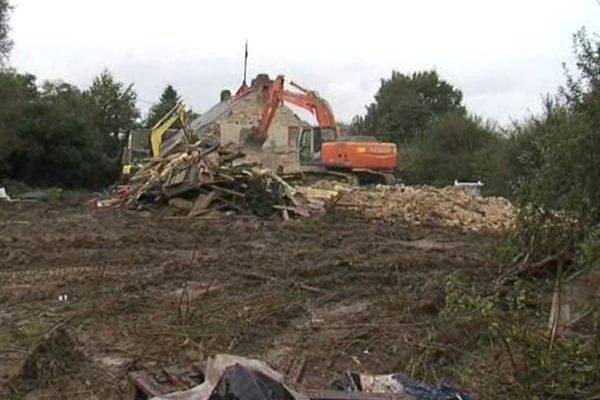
x,y
201,180
423,205
205,180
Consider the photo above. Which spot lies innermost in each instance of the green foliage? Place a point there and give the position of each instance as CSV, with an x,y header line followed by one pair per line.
x,y
438,142
61,142
582,91
456,146
51,135
116,111
14,187
558,164
563,143
541,232
497,339
405,105
462,300
5,42
588,252
17,91
555,159
168,100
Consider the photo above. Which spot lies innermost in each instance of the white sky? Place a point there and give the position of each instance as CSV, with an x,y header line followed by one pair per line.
x,y
503,55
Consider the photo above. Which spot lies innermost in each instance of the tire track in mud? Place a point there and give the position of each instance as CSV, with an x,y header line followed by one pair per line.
x,y
38,274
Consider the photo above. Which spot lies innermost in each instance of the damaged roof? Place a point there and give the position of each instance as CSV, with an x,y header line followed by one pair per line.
x,y
219,109
211,115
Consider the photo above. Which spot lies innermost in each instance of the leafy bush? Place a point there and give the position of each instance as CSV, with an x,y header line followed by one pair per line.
x,y
455,147
437,140
59,142
558,186
57,134
496,339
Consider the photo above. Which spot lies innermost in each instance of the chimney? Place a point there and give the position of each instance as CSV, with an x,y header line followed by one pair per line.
x,y
225,95
261,80
262,83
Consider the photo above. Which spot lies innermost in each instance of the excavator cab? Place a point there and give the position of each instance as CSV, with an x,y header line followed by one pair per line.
x,y
310,143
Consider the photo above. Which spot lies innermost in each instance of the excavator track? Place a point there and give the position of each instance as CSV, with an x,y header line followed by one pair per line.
x,y
355,178
73,272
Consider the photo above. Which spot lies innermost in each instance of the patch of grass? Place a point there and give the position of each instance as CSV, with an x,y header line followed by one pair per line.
x,y
14,187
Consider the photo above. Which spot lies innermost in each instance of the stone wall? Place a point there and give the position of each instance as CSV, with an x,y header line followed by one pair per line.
x,y
247,114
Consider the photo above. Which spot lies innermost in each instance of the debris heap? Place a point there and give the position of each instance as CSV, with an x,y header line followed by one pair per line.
x,y
227,376
210,179
424,205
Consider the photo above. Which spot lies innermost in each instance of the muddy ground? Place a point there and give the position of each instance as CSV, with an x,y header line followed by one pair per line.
x,y
87,295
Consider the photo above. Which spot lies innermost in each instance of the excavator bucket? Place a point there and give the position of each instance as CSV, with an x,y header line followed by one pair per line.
x,y
253,140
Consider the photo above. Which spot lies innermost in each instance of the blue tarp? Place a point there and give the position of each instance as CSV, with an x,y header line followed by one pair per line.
x,y
403,383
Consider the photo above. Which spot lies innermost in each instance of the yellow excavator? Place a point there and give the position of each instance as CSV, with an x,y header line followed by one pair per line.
x,y
159,146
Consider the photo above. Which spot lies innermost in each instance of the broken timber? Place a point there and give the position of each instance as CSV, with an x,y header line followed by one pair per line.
x,y
201,178
145,385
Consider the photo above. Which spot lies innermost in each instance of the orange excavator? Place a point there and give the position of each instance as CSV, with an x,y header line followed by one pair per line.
x,y
323,149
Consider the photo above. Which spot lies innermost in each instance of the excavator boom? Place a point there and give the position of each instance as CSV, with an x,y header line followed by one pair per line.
x,y
308,100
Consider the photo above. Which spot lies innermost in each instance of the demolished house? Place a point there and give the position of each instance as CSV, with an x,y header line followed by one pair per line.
x,y
234,117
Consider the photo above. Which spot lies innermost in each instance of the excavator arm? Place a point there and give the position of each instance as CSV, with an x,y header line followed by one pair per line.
x,y
318,106
158,131
156,138
274,101
308,100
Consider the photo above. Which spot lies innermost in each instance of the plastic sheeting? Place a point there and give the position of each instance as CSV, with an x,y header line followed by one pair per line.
x,y
401,384
230,377
3,195
242,383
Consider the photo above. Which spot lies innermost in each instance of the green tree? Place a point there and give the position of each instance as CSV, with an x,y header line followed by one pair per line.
x,y
5,42
17,91
61,142
168,99
116,110
582,91
406,104
456,146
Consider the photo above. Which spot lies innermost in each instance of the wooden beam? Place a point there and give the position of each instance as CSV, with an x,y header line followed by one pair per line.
x,y
143,382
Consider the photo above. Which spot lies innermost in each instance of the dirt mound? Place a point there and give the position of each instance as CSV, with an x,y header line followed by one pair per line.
x,y
425,205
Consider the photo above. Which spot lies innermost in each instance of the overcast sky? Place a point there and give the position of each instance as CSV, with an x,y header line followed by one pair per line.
x,y
503,55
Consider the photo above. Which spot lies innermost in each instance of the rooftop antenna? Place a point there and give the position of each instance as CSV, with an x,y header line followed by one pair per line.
x,y
243,89
245,62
